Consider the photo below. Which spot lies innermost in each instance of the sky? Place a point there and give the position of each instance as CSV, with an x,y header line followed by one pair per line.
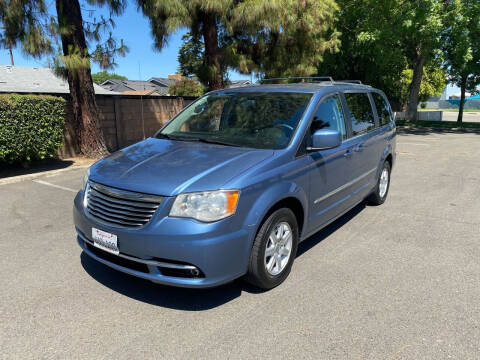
x,y
141,62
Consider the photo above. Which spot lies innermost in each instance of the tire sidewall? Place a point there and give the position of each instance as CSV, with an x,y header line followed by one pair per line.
x,y
282,215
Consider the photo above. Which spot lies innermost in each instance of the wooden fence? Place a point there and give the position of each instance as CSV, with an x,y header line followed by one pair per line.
x,y
127,119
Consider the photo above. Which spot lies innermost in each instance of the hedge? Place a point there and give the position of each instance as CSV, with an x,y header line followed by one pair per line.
x,y
31,127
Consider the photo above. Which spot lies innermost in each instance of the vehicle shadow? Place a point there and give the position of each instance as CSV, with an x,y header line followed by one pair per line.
x,y
192,299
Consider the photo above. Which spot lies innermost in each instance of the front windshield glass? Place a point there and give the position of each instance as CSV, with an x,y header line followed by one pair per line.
x,y
251,119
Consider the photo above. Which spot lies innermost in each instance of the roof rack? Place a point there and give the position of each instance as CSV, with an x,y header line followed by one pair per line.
x,y
300,79
311,79
352,81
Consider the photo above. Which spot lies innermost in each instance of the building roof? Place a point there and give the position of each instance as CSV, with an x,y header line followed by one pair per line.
x,y
162,81
23,79
122,86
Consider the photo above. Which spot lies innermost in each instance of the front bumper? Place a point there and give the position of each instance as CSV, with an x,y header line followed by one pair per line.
x,y
220,251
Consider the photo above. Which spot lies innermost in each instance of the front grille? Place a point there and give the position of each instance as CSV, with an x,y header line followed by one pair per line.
x,y
120,208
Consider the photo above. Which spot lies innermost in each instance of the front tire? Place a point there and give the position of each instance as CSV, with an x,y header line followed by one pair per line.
x,y
274,250
379,196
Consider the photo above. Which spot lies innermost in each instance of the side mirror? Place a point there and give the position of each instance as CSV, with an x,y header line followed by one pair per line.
x,y
324,139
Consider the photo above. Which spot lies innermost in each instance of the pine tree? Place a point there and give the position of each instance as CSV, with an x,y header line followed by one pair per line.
x,y
273,37
29,23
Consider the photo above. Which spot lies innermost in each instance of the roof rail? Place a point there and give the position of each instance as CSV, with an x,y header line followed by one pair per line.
x,y
300,79
351,81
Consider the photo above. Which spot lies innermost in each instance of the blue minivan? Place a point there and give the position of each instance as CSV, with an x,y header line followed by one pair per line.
x,y
232,184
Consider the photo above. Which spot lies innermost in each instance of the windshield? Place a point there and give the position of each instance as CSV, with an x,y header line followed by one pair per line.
x,y
255,119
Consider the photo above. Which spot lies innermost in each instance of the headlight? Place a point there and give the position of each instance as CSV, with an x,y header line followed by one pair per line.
x,y
85,179
206,206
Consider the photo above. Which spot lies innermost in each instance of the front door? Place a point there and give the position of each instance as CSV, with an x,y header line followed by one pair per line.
x,y
329,170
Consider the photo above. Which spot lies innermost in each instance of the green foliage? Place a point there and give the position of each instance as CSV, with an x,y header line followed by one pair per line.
x,y
380,39
282,38
190,56
186,87
461,40
31,127
272,37
102,76
433,83
28,22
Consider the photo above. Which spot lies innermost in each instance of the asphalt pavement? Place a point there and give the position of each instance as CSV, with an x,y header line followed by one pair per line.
x,y
398,281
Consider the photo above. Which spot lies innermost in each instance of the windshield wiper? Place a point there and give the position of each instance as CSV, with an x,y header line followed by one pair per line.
x,y
211,141
208,141
170,137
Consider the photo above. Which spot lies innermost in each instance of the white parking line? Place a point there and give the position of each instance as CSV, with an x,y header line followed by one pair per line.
x,y
53,185
409,143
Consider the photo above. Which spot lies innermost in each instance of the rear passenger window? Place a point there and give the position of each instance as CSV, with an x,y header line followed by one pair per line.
x,y
329,115
362,115
383,109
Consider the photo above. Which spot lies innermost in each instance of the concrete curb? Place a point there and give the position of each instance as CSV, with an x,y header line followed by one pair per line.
x,y
19,178
403,128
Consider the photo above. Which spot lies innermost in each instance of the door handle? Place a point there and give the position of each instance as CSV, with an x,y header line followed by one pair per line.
x,y
348,153
359,148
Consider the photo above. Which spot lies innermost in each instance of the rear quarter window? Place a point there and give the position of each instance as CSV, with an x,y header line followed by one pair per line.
x,y
383,109
362,119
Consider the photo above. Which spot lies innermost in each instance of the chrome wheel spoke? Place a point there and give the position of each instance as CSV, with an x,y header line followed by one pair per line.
x,y
270,251
271,263
278,248
383,183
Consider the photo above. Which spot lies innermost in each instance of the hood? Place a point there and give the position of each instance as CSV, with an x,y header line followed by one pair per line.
x,y
166,167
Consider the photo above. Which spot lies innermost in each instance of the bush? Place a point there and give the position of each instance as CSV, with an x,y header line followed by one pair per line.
x,y
31,127
186,87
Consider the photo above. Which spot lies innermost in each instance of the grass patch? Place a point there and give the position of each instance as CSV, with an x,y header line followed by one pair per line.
x,y
439,124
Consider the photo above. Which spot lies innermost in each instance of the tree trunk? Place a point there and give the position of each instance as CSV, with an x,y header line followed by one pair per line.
x,y
415,88
463,88
86,126
212,51
11,54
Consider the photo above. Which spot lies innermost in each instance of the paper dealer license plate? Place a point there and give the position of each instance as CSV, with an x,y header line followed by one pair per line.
x,y
105,241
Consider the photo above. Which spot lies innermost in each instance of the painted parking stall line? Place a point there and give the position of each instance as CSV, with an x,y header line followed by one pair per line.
x,y
54,185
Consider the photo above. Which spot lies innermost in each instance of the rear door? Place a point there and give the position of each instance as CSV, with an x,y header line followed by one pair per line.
x,y
385,123
363,142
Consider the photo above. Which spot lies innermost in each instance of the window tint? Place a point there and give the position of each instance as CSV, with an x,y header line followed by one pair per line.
x,y
361,110
383,109
329,115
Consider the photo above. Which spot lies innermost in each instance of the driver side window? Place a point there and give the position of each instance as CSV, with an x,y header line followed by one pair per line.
x,y
329,115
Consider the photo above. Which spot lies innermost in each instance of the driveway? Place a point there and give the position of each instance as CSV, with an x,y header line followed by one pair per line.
x,y
399,281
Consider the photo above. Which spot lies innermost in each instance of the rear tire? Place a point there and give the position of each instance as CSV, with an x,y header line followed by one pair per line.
x,y
379,196
274,250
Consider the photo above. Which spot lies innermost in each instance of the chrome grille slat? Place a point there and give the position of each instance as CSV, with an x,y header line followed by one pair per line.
x,y
113,221
118,216
120,208
124,202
